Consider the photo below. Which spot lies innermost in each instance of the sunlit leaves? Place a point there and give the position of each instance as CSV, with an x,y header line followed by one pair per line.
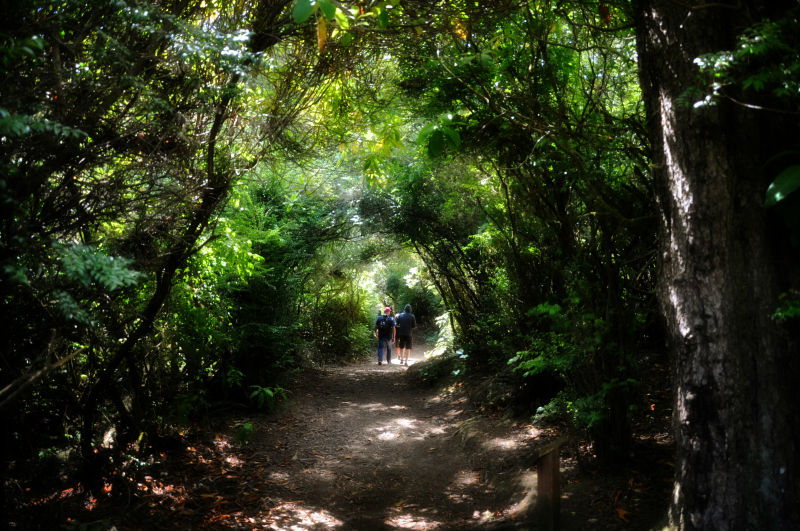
x,y
89,266
327,8
303,10
341,19
483,59
20,125
425,132
765,57
437,134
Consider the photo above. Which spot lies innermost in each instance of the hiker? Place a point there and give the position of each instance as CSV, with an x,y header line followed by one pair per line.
x,y
384,333
405,322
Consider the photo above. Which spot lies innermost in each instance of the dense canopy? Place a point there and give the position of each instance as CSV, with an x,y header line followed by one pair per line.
x,y
202,197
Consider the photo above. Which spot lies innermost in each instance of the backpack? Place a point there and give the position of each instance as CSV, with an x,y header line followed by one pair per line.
x,y
385,327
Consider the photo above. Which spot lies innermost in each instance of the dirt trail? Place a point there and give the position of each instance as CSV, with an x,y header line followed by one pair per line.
x,y
364,450
361,448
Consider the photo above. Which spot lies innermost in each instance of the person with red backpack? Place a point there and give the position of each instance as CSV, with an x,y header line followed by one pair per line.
x,y
384,333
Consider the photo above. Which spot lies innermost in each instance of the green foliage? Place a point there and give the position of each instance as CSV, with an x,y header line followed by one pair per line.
x,y
539,231
784,184
303,9
448,364
551,346
444,338
439,133
266,395
591,411
405,280
765,59
254,194
21,125
789,307
559,410
185,406
234,377
90,267
460,365
244,433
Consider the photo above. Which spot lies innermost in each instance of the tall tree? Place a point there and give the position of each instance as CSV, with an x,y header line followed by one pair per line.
x,y
723,264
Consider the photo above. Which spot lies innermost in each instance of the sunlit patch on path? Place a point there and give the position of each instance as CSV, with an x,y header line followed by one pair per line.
x,y
293,516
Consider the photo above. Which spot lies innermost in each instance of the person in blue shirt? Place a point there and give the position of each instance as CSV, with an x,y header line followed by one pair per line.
x,y
405,322
385,333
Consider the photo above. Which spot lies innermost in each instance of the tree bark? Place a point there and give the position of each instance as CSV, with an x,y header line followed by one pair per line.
x,y
734,370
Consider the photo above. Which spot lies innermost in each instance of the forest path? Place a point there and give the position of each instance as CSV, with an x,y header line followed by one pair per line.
x,y
361,449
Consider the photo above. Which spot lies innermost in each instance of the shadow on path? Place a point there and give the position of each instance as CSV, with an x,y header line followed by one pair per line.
x,y
367,451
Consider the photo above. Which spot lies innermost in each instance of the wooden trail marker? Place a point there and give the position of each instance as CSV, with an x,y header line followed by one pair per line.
x,y
548,469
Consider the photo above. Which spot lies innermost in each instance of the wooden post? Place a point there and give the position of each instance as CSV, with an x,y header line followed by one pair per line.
x,y
548,470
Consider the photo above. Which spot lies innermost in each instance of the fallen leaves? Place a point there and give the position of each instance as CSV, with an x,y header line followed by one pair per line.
x,y
622,513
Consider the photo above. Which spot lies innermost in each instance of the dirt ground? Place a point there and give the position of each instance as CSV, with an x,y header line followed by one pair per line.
x,y
364,448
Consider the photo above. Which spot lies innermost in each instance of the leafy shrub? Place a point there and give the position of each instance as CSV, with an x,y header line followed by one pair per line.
x,y
266,395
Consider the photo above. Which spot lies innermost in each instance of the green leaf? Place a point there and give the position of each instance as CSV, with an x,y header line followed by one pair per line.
x,y
467,59
347,39
303,10
784,184
341,18
453,136
782,154
425,133
436,143
327,8
383,19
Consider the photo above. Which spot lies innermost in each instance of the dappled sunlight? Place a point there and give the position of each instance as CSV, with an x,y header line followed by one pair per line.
x,y
233,460
375,406
501,444
461,490
408,521
436,430
404,427
405,422
467,478
293,516
388,436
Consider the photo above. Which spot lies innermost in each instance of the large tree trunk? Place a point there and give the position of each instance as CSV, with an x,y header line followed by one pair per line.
x,y
734,370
